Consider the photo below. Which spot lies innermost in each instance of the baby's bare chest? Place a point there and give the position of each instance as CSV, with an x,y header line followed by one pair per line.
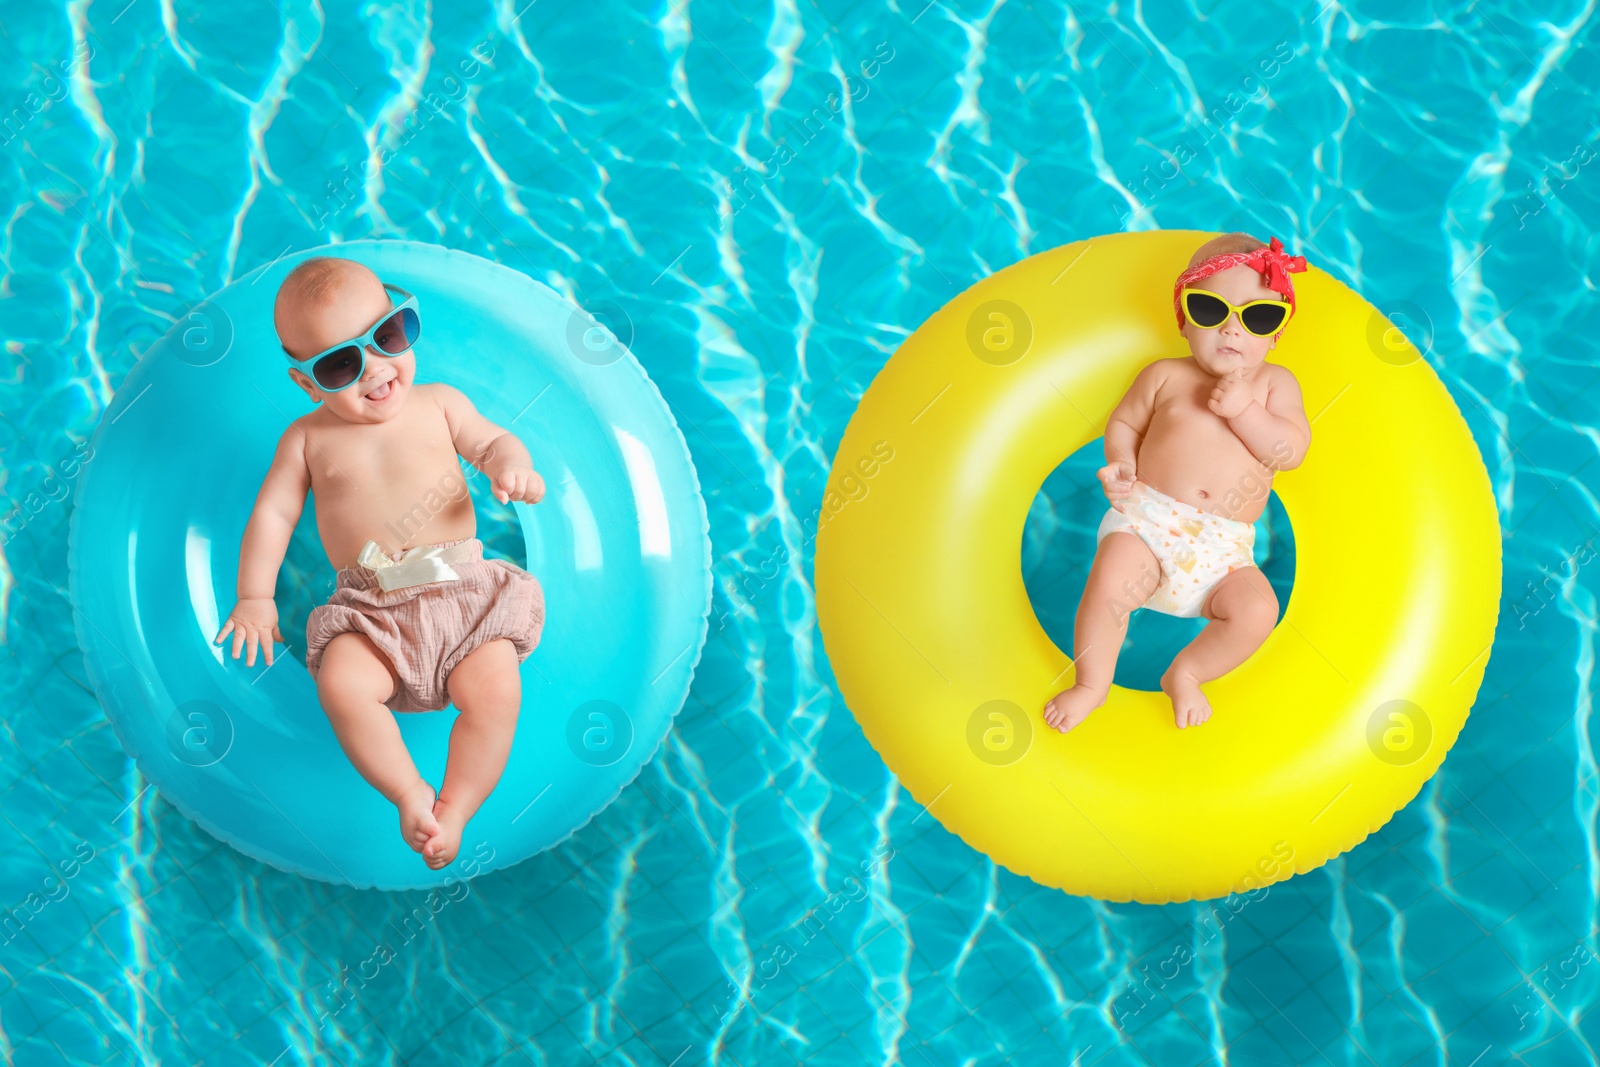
x,y
403,457
1183,419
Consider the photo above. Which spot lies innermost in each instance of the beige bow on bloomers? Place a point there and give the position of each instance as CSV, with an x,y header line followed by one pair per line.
x,y
416,566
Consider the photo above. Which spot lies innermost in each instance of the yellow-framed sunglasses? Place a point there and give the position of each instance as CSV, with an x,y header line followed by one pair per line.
x,y
1207,310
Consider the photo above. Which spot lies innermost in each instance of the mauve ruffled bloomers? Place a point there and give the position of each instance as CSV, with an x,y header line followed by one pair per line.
x,y
426,630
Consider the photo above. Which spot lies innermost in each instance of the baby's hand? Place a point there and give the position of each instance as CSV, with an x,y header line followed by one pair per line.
x,y
1231,396
256,622
1117,480
517,483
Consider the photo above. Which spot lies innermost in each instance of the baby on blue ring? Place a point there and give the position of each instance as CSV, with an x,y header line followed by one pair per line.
x,y
419,618
1190,454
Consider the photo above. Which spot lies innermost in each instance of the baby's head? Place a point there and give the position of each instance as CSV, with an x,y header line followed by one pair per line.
x,y
326,301
1237,268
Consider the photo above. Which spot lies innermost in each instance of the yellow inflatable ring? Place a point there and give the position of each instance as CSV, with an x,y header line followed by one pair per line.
x,y
1331,727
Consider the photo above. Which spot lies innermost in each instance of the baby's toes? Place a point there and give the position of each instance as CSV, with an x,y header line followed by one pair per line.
x,y
442,847
440,853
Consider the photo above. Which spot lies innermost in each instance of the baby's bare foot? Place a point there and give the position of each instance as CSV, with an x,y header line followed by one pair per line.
x,y
1189,704
441,850
1071,706
417,822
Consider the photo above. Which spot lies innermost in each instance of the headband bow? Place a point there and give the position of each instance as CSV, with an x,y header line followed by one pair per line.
x,y
1270,262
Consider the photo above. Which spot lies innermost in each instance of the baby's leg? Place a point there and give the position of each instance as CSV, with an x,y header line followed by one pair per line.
x,y
1243,610
1124,574
353,681
486,689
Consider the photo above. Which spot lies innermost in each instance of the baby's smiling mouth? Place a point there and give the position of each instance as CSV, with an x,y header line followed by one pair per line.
x,y
382,392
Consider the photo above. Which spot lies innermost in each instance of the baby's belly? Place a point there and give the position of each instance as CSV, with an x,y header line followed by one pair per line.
x,y
1194,456
418,511
1217,484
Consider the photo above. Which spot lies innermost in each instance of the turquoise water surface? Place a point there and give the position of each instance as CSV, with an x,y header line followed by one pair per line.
x,y
766,199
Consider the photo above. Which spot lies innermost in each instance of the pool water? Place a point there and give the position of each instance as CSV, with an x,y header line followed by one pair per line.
x,y
765,200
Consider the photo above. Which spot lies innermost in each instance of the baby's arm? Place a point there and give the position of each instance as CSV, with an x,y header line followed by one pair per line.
x,y
1125,429
493,450
1276,434
254,619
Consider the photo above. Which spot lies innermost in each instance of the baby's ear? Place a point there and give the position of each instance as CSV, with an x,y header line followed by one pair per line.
x,y
300,381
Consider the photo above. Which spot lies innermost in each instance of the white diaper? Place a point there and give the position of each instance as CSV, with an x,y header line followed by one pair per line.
x,y
1195,548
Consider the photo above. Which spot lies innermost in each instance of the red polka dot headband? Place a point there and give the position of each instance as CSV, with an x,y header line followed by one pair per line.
x,y
1270,262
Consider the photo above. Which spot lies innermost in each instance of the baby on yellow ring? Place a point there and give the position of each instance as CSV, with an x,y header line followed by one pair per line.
x,y
1190,453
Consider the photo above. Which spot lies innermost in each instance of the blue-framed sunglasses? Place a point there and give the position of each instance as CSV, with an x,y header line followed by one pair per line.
x,y
341,366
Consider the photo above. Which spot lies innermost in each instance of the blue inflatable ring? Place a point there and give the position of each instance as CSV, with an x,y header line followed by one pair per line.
x,y
619,544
